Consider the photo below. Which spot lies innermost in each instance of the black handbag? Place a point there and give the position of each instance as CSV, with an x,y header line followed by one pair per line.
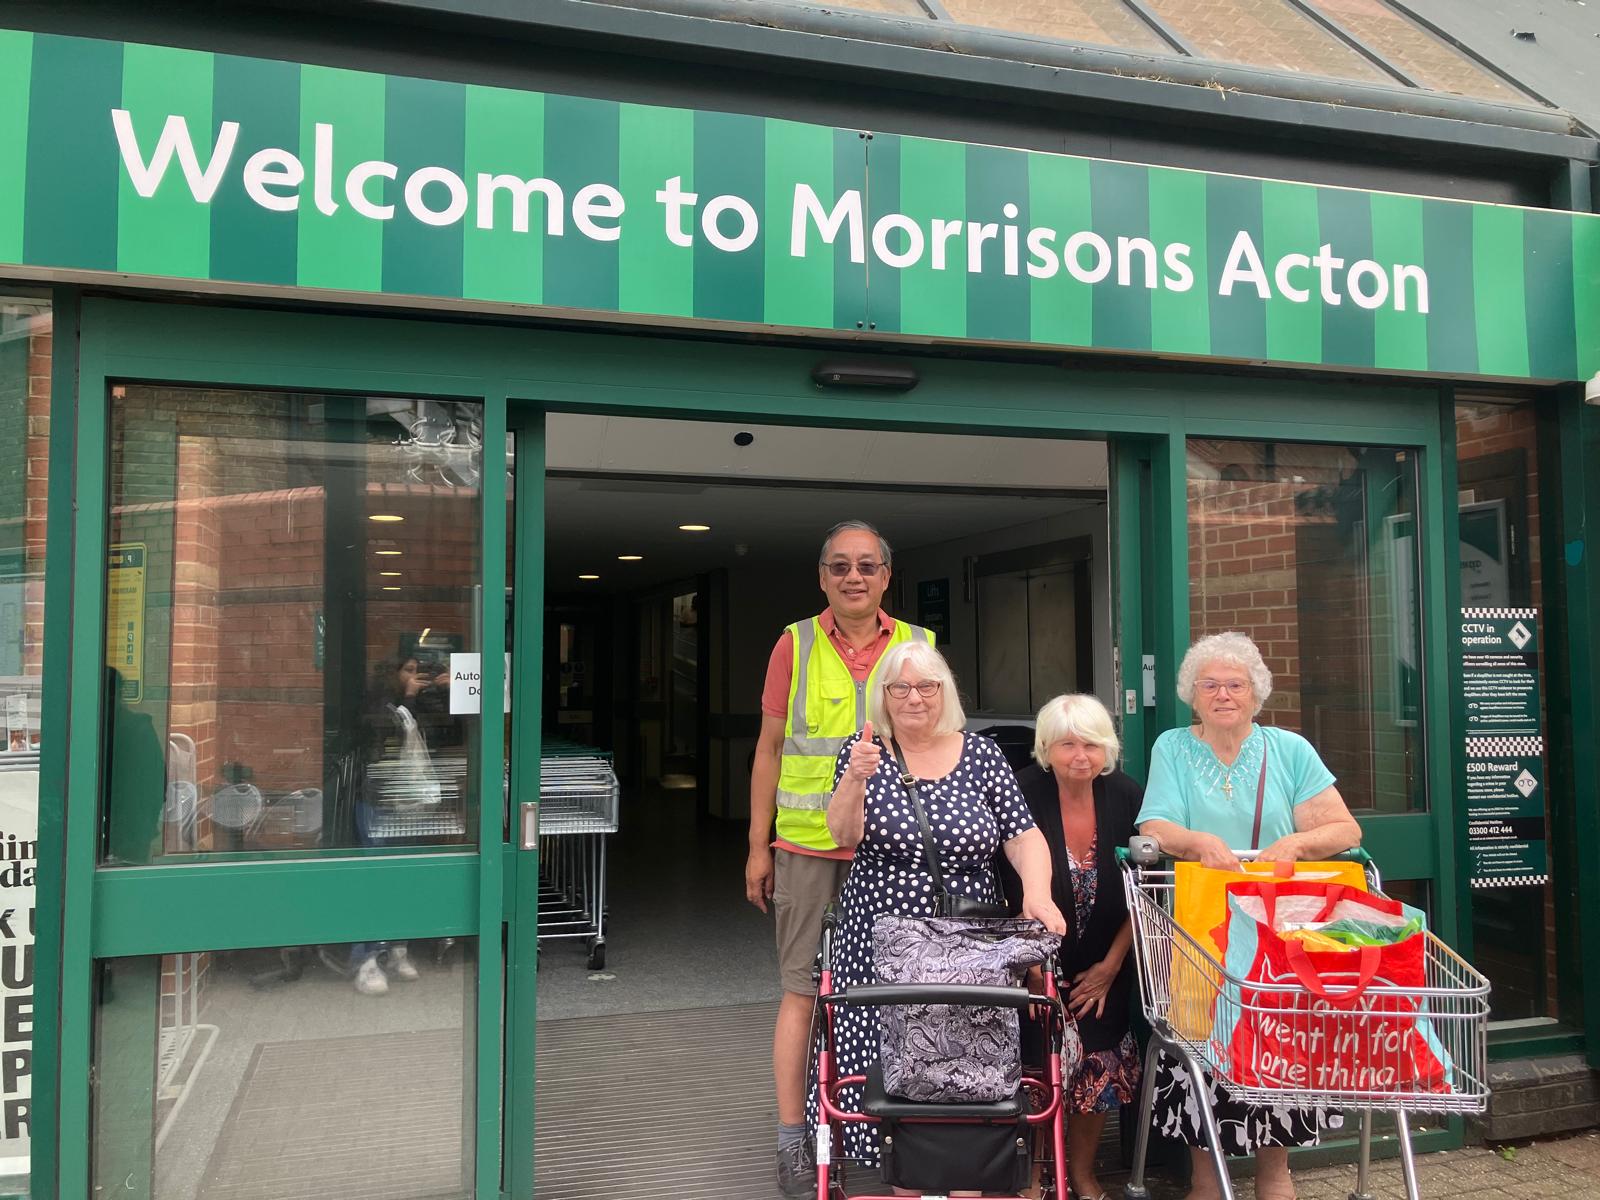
x,y
944,903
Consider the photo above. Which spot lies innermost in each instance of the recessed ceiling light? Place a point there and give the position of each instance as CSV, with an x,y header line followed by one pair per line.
x,y
391,589
388,553
695,528
630,558
386,518
588,577
390,574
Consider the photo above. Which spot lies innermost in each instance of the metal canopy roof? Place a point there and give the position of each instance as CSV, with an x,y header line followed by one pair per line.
x,y
1383,54
1551,46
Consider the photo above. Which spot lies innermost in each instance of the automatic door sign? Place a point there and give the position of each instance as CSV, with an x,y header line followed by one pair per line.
x,y
466,683
1506,812
1500,670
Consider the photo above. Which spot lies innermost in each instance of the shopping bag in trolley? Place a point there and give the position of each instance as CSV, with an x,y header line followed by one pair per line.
x,y
1199,906
945,1053
1330,1020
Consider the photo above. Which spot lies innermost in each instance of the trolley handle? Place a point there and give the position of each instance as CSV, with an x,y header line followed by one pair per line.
x,y
1143,852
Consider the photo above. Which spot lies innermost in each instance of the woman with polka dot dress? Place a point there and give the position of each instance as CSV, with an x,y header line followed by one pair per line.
x,y
974,806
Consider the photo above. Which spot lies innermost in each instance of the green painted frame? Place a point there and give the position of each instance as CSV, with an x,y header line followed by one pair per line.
x,y
518,374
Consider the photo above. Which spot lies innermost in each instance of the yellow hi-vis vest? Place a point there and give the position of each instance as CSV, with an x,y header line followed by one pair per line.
x,y
826,706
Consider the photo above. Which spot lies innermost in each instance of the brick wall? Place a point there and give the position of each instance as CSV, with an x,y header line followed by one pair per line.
x,y
36,455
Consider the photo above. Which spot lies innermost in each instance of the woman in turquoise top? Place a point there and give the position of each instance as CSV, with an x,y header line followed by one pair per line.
x,y
1200,803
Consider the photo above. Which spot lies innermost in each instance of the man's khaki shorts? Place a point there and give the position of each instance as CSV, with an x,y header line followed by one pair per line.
x,y
803,886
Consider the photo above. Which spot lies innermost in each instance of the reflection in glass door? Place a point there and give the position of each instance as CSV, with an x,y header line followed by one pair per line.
x,y
293,638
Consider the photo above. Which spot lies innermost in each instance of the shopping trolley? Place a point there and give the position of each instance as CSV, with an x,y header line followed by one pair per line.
x,y
578,797
1179,978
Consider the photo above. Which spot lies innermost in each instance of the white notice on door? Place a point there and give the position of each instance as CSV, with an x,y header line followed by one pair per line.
x,y
466,683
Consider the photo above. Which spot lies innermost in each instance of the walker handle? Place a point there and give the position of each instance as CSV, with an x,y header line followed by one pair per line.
x,y
968,995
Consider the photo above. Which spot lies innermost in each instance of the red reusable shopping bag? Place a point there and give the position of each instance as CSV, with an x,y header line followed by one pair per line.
x,y
1326,1022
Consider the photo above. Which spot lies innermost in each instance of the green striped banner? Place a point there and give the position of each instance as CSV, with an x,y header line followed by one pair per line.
x,y
162,163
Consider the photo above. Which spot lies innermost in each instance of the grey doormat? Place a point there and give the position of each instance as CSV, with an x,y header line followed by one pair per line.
x,y
656,1106
376,1117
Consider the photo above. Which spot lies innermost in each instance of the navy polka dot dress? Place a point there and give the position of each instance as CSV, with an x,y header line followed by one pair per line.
x,y
973,810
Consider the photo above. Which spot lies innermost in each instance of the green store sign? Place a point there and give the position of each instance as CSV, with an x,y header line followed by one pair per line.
x,y
178,164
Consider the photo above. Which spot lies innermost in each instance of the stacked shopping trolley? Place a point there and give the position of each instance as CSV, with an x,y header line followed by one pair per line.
x,y
577,811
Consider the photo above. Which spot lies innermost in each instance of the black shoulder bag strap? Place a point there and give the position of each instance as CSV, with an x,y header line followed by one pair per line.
x,y
929,849
1261,795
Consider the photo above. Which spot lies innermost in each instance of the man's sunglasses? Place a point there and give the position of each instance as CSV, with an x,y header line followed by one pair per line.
x,y
840,569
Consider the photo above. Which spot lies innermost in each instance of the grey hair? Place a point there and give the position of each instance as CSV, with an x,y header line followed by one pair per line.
x,y
845,527
1235,649
919,655
1083,717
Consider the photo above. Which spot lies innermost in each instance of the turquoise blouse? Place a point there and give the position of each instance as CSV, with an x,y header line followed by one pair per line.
x,y
1188,784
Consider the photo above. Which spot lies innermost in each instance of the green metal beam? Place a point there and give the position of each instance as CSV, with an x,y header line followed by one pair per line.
x,y
55,761
239,906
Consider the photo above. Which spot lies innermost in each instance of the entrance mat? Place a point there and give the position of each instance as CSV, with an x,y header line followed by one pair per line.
x,y
376,1117
665,1106
656,1106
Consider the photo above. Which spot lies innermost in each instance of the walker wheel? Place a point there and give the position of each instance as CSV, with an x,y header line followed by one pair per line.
x,y
597,955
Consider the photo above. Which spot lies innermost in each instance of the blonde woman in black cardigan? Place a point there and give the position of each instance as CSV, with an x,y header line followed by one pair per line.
x,y
1085,807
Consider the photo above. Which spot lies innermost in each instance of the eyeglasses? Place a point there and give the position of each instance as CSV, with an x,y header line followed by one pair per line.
x,y
839,569
1209,687
927,689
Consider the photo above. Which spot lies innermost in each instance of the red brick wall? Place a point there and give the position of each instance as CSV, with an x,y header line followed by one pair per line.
x,y
37,455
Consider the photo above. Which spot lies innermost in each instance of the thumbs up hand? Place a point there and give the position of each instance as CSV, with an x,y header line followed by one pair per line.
x,y
865,756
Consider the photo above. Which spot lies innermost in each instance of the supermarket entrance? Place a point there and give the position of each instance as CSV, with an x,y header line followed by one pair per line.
x,y
675,553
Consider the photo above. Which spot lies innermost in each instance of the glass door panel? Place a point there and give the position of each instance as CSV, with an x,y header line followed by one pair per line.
x,y
1312,551
296,599
248,1074
293,586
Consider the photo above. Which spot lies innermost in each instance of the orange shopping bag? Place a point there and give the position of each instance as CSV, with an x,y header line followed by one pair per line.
x,y
1200,906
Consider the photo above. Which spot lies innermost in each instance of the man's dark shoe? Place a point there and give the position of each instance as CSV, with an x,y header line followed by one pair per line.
x,y
797,1170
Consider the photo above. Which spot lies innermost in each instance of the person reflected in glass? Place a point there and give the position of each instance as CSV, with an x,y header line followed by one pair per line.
x,y
1085,807
1200,804
399,776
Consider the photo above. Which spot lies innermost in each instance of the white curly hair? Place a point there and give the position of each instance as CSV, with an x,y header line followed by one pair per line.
x,y
1234,650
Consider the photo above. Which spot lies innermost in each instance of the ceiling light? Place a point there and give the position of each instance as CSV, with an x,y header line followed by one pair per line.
x,y
588,577
391,589
390,574
387,553
695,528
630,558
386,518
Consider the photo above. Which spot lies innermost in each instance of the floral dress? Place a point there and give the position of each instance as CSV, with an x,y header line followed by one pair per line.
x,y
1105,1079
973,810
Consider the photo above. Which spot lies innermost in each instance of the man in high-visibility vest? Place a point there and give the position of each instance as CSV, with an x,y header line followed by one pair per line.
x,y
815,697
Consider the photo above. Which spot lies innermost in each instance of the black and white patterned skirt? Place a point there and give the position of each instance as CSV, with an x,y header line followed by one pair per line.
x,y
1244,1128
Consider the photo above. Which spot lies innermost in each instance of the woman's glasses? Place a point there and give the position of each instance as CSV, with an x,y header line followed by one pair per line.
x,y
839,569
927,689
1210,687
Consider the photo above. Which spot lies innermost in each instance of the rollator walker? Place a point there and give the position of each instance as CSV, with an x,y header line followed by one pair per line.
x,y
938,1148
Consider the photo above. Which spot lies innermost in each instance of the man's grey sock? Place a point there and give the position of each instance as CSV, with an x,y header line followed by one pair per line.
x,y
790,1135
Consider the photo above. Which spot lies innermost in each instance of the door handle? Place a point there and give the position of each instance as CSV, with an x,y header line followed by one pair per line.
x,y
530,825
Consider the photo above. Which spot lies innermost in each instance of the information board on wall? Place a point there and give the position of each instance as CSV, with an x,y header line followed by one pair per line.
x,y
19,823
1504,768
